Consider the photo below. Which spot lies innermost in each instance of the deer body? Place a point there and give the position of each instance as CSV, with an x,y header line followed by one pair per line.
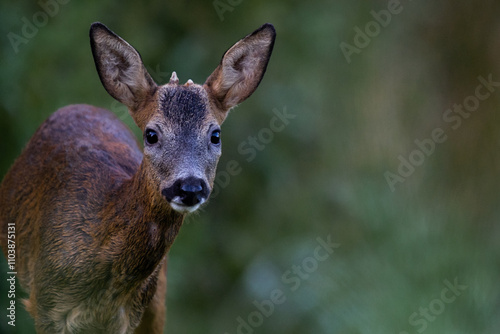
x,y
94,215
87,227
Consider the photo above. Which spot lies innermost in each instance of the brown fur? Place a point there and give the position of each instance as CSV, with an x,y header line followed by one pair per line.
x,y
93,225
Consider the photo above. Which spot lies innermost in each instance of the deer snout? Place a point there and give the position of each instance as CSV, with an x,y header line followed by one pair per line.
x,y
186,195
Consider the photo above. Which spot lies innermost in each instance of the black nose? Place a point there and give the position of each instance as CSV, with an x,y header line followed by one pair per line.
x,y
190,191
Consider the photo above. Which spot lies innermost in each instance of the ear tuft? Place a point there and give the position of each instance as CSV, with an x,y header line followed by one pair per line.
x,y
242,68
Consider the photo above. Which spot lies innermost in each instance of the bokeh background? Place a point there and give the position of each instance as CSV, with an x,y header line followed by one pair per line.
x,y
352,120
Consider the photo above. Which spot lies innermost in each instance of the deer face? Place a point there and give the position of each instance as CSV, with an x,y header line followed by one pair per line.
x,y
182,143
181,123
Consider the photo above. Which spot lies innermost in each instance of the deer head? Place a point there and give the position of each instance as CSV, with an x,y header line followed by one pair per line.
x,y
181,123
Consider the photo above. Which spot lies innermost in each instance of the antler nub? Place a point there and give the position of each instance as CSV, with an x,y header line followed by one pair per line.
x,y
189,82
174,79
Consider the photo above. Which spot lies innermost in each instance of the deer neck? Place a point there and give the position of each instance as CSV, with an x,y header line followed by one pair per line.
x,y
140,193
141,227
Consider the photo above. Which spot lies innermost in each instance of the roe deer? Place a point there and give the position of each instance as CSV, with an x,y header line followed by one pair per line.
x,y
94,216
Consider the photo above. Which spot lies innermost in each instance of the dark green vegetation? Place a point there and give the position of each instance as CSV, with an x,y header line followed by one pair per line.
x,y
390,153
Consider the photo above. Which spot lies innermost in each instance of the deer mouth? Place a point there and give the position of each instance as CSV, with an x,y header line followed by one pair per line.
x,y
182,208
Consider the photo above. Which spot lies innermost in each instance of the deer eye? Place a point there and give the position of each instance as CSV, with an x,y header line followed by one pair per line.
x,y
215,137
151,136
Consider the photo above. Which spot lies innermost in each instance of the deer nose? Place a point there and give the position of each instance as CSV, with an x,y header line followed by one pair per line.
x,y
188,192
191,191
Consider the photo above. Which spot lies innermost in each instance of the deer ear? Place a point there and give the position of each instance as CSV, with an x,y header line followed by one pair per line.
x,y
120,67
241,68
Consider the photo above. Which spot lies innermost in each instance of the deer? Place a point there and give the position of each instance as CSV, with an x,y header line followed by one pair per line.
x,y
95,214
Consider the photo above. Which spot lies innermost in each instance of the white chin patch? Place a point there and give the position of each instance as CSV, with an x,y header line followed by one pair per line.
x,y
179,207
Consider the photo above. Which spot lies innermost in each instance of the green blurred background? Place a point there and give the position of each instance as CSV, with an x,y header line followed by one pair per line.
x,y
323,175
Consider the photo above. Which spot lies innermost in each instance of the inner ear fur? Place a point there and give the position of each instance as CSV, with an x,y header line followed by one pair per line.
x,y
120,68
241,68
